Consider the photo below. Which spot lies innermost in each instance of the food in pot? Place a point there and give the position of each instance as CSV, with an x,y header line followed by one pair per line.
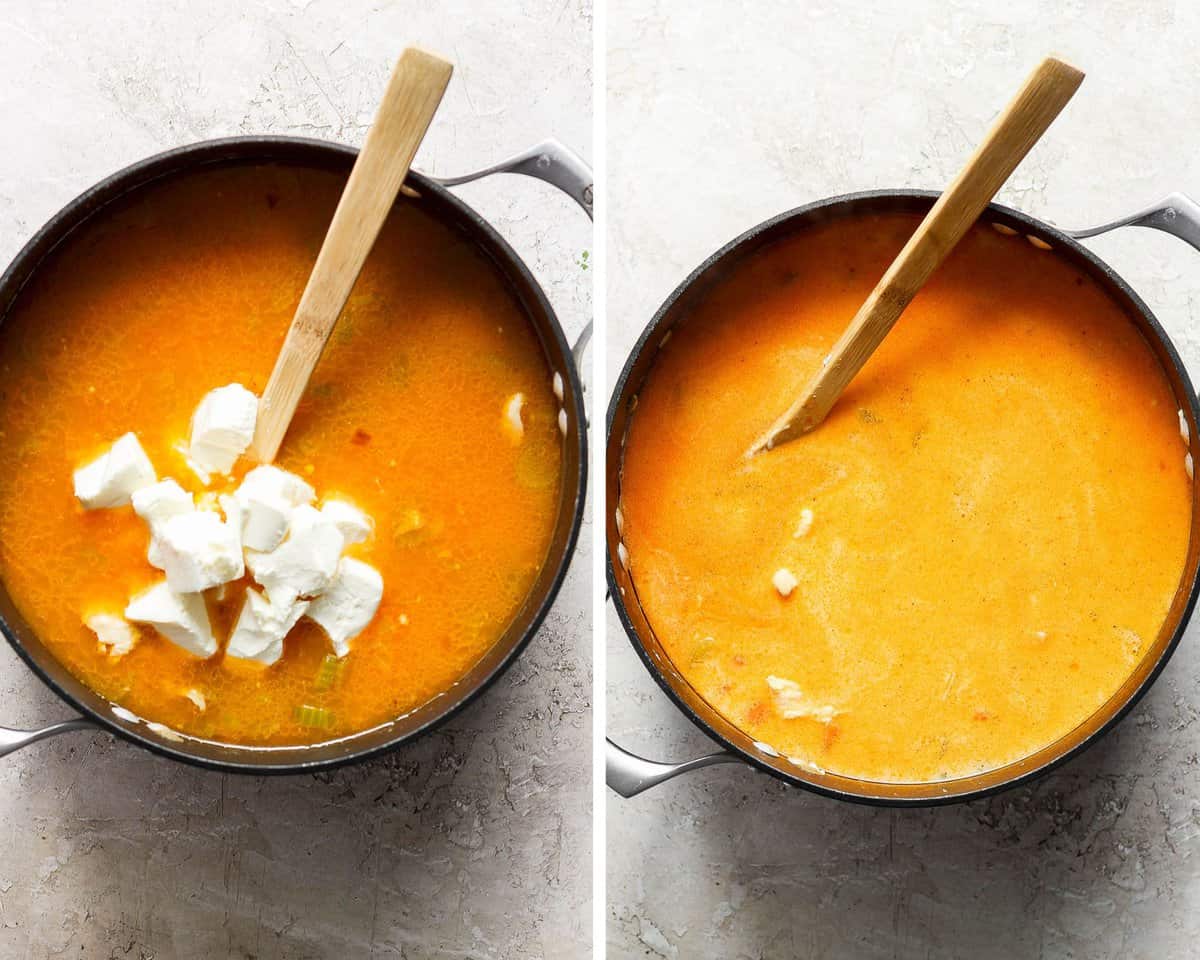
x,y
964,562
364,573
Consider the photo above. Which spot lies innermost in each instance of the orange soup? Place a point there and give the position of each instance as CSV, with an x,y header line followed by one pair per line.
x,y
190,284
963,562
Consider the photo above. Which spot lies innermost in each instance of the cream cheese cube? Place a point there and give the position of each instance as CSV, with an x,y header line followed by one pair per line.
x,y
354,525
113,632
200,551
264,523
232,508
222,428
348,604
791,702
511,420
180,617
304,564
267,497
269,481
785,581
261,628
111,479
156,504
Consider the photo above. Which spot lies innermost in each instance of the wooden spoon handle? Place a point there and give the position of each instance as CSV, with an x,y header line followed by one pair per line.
x,y
1017,129
412,97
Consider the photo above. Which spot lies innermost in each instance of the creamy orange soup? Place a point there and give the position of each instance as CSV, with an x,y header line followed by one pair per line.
x,y
191,285
986,534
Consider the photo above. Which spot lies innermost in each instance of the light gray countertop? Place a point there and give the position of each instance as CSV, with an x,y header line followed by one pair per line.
x,y
719,118
473,842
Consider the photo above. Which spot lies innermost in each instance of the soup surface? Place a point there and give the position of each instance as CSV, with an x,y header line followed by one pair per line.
x,y
986,534
190,284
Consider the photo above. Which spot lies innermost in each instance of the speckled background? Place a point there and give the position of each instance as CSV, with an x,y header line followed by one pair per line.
x,y
475,841
720,116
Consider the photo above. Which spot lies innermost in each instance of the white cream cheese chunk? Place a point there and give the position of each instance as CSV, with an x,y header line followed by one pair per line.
x,y
791,703
164,731
511,421
785,581
267,497
354,525
222,428
805,764
199,551
232,508
111,479
348,604
267,480
304,564
180,617
264,522
156,504
261,627
113,632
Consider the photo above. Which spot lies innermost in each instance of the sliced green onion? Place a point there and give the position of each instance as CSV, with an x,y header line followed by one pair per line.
x,y
319,717
329,672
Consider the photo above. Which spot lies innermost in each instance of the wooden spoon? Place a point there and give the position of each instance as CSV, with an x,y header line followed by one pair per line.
x,y
1018,128
412,97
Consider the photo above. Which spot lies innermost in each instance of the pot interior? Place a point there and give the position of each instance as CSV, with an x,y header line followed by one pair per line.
x,y
91,208
649,646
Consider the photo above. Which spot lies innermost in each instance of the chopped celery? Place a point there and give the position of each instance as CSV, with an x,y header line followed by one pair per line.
x,y
409,521
329,672
412,527
318,717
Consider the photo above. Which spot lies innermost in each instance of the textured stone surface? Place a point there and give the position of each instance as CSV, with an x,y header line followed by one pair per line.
x,y
719,119
475,841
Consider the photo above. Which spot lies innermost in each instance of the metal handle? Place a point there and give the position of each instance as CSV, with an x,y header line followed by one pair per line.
x,y
628,774
13,740
1176,214
559,166
580,345
549,161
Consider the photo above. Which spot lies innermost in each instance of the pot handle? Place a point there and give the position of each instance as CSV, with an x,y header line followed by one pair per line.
x,y
550,161
13,740
628,774
1177,214
559,166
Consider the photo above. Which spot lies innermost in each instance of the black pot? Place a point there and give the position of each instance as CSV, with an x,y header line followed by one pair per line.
x,y
628,774
548,161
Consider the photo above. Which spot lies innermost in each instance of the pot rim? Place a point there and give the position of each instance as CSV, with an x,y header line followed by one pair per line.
x,y
650,334
222,150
